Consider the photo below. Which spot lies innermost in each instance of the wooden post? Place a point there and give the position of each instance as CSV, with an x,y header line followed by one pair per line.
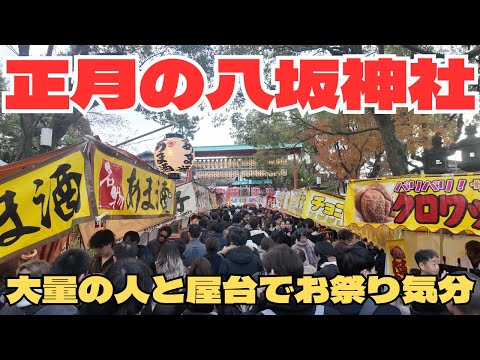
x,y
189,175
295,173
442,236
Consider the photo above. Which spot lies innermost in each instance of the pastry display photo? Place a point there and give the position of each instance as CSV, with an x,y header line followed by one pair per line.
x,y
397,253
373,204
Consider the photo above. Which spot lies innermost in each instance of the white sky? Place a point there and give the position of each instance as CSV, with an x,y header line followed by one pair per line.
x,y
208,135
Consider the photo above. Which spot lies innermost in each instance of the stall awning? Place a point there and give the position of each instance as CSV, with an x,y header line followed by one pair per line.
x,y
252,182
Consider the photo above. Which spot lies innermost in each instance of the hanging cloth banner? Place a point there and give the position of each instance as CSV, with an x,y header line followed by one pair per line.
x,y
185,198
213,200
203,198
398,265
424,202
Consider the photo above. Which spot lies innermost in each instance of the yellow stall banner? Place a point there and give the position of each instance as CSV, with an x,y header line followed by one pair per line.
x,y
294,201
325,209
423,202
124,189
277,204
213,200
42,203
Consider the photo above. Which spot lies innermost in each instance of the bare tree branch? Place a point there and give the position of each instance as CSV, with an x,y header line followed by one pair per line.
x,y
80,50
343,133
120,49
332,49
24,50
417,49
12,49
300,49
415,166
474,52
337,148
459,129
416,157
375,171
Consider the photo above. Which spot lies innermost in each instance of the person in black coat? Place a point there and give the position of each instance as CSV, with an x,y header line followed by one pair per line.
x,y
282,260
211,246
240,259
356,260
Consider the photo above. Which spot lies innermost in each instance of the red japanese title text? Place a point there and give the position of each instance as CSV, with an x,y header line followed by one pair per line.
x,y
310,84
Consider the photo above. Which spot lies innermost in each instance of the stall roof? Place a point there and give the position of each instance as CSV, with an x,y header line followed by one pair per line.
x,y
12,168
239,150
252,182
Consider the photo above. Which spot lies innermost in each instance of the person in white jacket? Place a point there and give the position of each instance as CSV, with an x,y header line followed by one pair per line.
x,y
256,235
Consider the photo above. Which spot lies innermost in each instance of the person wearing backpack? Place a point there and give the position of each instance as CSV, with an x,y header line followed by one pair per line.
x,y
357,260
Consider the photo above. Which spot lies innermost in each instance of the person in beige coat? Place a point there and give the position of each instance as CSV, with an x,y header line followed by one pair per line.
x,y
303,243
307,268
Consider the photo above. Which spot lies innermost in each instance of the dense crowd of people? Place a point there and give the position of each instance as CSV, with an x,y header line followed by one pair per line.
x,y
231,241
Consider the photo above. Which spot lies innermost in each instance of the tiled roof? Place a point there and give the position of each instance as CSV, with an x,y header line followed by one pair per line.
x,y
238,147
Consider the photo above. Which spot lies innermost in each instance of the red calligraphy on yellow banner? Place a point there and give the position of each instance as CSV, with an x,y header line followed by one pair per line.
x,y
396,252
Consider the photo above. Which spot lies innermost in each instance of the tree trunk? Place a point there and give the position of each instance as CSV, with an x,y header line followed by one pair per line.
x,y
80,50
24,50
27,124
61,123
27,121
459,128
396,150
375,172
356,49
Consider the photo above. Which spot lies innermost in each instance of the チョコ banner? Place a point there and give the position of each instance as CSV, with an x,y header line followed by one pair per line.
x,y
325,209
39,204
425,202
